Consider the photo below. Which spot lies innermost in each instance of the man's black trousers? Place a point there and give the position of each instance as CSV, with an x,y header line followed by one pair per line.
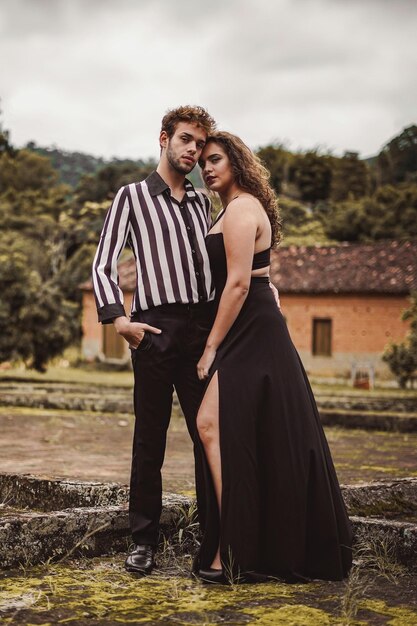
x,y
160,363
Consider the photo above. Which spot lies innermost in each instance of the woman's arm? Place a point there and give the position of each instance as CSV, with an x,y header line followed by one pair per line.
x,y
240,225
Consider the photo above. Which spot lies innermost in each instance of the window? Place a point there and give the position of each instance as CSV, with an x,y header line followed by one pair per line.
x,y
322,337
113,344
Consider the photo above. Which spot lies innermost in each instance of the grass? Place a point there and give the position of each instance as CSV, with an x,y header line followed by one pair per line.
x,y
90,374
323,388
355,589
77,375
377,554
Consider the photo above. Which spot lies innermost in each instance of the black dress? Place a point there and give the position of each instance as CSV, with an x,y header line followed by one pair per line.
x,y
282,510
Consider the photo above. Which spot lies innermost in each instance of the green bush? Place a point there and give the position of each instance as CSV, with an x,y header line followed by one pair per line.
x,y
402,357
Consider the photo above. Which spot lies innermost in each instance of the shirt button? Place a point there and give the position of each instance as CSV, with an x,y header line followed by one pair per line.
x,y
193,251
197,273
188,228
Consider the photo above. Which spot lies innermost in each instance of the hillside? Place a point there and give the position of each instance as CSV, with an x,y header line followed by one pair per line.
x,y
71,166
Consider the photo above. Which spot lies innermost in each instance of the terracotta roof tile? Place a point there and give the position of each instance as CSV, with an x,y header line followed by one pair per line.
x,y
382,267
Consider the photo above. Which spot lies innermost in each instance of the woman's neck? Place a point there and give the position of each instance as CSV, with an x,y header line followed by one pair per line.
x,y
229,195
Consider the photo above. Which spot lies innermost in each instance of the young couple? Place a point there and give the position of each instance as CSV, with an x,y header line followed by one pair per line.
x,y
205,321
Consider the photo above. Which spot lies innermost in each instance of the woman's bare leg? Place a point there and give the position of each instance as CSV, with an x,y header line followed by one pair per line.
x,y
208,429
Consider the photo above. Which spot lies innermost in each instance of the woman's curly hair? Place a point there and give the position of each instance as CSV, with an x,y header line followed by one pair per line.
x,y
251,176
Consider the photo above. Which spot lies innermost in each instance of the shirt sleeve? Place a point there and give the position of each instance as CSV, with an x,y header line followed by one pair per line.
x,y
108,295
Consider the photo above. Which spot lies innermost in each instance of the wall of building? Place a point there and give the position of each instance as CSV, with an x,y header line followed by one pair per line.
x,y
362,326
92,341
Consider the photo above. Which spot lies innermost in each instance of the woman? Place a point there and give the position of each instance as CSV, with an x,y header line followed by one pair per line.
x,y
273,505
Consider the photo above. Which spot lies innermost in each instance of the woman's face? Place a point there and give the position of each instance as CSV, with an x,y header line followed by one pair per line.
x,y
216,167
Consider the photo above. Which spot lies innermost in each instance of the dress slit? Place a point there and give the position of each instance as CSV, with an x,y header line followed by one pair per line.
x,y
212,534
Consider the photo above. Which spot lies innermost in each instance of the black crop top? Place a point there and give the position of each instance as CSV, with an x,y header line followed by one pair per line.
x,y
261,259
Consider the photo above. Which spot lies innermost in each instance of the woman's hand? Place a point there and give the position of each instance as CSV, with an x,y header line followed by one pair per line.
x,y
206,361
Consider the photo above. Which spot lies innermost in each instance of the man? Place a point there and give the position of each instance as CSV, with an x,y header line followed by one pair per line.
x,y
164,220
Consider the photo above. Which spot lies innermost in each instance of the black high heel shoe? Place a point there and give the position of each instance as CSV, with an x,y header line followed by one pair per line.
x,y
211,575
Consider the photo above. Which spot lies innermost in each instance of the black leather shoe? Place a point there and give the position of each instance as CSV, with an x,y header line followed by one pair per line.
x,y
211,575
141,559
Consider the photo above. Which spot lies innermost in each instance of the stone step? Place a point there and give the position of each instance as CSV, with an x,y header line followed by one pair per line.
x,y
43,494
82,397
337,415
398,497
30,538
353,402
99,526
69,402
369,420
391,540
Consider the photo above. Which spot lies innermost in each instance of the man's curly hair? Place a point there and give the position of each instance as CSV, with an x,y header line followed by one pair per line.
x,y
191,114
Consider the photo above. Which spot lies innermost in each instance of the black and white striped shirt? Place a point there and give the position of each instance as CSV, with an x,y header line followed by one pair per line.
x,y
167,239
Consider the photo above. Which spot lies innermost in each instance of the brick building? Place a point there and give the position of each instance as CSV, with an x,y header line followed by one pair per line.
x,y
343,303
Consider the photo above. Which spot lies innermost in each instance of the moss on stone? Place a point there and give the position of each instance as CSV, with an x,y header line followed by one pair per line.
x,y
292,615
100,591
106,592
399,615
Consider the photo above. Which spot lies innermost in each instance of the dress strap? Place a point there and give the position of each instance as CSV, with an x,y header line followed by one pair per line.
x,y
223,211
217,218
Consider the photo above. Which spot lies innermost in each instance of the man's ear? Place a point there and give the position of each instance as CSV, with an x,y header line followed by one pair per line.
x,y
163,139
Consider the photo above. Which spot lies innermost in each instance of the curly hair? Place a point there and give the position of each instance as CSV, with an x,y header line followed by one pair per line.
x,y
251,176
191,114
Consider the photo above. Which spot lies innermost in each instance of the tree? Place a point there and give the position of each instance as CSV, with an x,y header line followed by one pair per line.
x,y
344,221
81,232
312,174
276,159
70,166
25,170
393,212
300,226
36,322
104,184
390,213
350,178
402,358
37,319
5,145
293,213
397,161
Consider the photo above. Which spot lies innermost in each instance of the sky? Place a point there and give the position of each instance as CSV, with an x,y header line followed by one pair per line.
x,y
97,76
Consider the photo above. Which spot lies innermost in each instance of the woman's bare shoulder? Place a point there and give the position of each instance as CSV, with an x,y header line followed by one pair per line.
x,y
244,203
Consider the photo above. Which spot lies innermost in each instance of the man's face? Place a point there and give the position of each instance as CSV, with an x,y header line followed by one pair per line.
x,y
184,148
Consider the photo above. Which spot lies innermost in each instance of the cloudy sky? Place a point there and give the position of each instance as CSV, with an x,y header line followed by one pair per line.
x,y
98,75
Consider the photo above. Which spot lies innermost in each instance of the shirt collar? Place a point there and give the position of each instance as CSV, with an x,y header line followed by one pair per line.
x,y
157,185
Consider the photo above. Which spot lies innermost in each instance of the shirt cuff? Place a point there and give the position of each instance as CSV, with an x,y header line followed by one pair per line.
x,y
108,312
